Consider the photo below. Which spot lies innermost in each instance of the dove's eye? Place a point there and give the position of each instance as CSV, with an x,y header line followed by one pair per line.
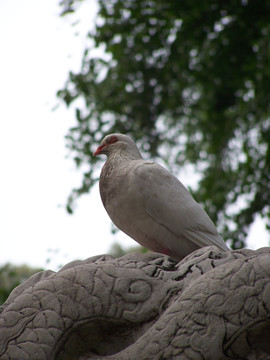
x,y
113,140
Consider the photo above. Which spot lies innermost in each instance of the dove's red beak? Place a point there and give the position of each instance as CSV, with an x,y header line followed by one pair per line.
x,y
99,150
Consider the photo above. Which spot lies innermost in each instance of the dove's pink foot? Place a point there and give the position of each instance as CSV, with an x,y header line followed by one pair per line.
x,y
166,251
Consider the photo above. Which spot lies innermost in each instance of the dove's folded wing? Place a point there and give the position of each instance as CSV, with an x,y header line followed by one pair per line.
x,y
170,204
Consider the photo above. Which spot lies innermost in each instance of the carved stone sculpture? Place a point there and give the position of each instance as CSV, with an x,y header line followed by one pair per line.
x,y
212,305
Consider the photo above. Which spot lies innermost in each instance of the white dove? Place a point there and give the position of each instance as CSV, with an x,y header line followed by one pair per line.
x,y
150,204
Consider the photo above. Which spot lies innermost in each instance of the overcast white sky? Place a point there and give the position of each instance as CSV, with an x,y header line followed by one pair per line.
x,y
37,49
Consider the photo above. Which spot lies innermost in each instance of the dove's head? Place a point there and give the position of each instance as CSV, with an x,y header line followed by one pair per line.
x,y
118,144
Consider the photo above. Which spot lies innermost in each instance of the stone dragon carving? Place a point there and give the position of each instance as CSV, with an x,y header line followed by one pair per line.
x,y
212,305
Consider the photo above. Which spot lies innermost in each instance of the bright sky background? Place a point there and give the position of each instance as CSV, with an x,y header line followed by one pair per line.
x,y
37,49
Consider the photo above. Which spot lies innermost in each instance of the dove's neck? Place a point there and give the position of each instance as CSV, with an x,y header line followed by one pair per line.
x,y
119,162
125,155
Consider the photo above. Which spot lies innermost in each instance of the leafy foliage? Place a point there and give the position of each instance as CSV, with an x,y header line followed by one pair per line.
x,y
12,276
117,250
190,80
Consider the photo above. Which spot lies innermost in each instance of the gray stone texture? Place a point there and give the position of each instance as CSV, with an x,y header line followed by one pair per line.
x,y
210,306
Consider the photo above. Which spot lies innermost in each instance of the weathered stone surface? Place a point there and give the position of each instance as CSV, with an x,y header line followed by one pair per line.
x,y
211,305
